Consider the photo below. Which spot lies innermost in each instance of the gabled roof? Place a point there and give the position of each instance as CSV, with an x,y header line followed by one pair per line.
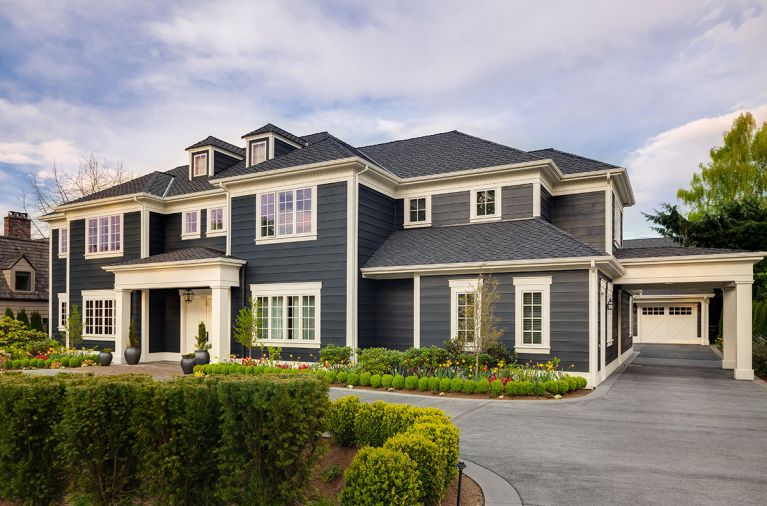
x,y
35,251
569,163
213,141
663,247
442,153
181,185
181,255
153,183
9,262
526,239
271,128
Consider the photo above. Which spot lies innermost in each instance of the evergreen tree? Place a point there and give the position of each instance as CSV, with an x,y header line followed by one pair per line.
x,y
35,321
9,313
22,317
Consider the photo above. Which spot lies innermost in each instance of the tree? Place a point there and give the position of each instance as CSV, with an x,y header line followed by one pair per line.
x,y
35,321
737,170
481,315
22,317
248,328
74,327
9,313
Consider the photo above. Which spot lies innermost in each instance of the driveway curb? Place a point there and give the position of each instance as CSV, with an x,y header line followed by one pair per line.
x,y
497,491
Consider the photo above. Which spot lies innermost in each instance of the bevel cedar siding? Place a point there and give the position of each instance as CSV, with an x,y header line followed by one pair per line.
x,y
58,283
569,317
547,203
394,313
173,229
582,215
323,259
450,208
517,201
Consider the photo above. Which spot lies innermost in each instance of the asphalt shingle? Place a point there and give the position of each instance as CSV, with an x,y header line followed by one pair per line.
x,y
36,253
214,141
271,128
663,247
569,163
181,255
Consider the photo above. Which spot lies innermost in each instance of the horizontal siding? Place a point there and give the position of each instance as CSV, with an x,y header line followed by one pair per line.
x,y
156,233
173,240
517,201
612,351
58,278
583,215
450,208
547,203
164,321
222,161
394,313
626,339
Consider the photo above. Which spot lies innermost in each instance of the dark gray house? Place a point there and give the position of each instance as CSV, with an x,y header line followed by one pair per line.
x,y
374,246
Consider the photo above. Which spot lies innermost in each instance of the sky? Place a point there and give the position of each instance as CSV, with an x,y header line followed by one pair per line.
x,y
647,85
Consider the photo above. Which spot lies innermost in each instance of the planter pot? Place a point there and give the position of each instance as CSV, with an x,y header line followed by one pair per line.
x,y
105,358
187,365
132,355
201,357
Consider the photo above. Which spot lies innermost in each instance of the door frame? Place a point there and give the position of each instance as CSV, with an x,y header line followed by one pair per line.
x,y
183,331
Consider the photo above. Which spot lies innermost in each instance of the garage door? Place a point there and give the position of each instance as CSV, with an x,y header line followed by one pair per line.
x,y
669,324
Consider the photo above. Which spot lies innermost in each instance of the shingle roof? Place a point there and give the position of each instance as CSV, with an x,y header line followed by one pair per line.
x,y
569,163
531,238
214,141
181,255
36,253
650,242
153,183
181,185
442,153
663,247
269,127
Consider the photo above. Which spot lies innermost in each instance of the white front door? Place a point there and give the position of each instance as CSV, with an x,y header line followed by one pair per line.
x,y
192,313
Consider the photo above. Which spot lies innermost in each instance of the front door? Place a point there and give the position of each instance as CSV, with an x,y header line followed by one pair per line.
x,y
196,311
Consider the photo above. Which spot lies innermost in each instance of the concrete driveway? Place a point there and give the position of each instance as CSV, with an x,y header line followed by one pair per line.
x,y
671,428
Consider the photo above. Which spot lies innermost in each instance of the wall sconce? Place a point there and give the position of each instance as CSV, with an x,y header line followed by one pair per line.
x,y
188,295
610,304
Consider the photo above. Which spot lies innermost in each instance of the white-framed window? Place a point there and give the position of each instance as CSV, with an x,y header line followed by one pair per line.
x,y
63,242
216,222
63,311
190,224
464,322
200,164
417,211
532,304
290,313
103,235
99,315
680,310
486,204
22,281
258,152
287,215
653,311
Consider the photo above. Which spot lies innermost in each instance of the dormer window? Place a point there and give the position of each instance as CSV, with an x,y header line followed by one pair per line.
x,y
200,164
258,152
23,281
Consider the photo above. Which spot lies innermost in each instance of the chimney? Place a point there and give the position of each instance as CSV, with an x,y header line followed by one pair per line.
x,y
17,225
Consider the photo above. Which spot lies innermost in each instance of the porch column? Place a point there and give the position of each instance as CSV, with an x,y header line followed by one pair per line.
x,y
744,369
221,310
729,330
704,322
144,325
123,324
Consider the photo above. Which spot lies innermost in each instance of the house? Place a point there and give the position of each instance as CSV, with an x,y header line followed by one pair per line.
x,y
377,246
24,265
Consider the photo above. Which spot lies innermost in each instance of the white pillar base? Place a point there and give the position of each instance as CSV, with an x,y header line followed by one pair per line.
x,y
728,364
744,374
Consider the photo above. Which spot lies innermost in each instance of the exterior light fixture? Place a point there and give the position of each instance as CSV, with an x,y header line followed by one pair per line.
x,y
610,304
188,295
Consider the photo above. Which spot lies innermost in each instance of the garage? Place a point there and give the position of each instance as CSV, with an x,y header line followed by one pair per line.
x,y
670,317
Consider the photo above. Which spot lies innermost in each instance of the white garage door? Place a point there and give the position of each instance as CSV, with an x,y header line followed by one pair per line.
x,y
669,324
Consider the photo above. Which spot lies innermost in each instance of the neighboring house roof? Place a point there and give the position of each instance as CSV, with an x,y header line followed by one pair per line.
x,y
270,128
35,251
442,153
663,247
214,141
181,255
532,238
569,163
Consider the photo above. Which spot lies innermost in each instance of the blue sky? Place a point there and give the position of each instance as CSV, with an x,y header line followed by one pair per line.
x,y
648,85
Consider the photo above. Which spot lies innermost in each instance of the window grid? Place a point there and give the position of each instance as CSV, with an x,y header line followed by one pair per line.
x,y
287,317
418,210
23,281
285,217
191,225
267,215
680,310
654,311
486,203
257,152
466,313
304,211
532,317
104,234
63,313
216,219
99,317
200,164
286,213
64,241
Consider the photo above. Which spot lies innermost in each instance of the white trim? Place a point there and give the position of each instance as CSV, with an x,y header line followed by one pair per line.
x,y
102,295
60,298
406,213
267,152
457,287
145,325
416,311
63,254
537,199
104,254
593,325
609,315
498,201
292,237
190,235
609,216
352,215
314,289
537,284
144,232
50,286
208,159
209,232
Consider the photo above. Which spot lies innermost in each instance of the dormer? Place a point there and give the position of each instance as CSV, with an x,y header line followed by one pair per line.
x,y
211,155
19,274
268,142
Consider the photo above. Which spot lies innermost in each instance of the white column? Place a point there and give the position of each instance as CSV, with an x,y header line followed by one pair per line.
x,y
221,309
123,324
416,311
744,369
704,322
729,308
144,325
593,330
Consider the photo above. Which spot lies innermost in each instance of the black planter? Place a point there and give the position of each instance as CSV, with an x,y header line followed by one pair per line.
x,y
105,358
132,355
201,357
187,365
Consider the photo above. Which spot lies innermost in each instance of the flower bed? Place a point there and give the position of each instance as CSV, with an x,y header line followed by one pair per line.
x,y
53,360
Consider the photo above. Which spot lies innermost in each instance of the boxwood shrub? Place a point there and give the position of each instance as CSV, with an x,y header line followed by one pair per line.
x,y
342,377
456,385
341,418
496,387
411,382
398,382
380,476
444,385
386,380
375,381
353,379
365,379
469,386
423,384
483,386
445,436
434,384
425,454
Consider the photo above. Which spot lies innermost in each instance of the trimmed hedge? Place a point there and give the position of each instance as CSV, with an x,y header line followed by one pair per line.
x,y
341,420
425,454
379,476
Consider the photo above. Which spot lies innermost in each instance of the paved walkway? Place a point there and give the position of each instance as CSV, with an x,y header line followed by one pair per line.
x,y
673,428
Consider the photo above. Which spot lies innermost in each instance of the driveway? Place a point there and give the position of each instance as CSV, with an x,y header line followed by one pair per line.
x,y
670,428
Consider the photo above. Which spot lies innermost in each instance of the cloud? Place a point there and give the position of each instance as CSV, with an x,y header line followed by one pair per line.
x,y
667,161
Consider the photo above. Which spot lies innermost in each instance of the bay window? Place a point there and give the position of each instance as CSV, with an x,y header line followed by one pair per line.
x,y
287,214
287,314
103,235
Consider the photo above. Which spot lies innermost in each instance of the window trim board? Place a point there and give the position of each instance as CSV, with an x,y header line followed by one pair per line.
x,y
312,288
497,216
528,284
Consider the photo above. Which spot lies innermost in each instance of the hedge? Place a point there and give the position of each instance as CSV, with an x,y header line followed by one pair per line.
x,y
379,476
425,454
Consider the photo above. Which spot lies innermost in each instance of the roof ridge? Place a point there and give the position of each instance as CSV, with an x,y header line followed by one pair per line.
x,y
575,155
408,139
511,148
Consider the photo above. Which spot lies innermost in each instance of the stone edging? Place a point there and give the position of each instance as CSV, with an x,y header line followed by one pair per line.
x,y
497,491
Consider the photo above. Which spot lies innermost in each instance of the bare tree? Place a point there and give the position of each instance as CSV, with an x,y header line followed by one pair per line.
x,y
480,315
45,193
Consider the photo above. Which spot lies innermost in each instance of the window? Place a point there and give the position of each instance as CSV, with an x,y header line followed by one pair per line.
x,y
486,204
680,311
63,311
23,281
191,225
289,313
200,164
653,311
215,221
532,307
99,316
104,235
418,211
463,309
287,214
63,241
257,152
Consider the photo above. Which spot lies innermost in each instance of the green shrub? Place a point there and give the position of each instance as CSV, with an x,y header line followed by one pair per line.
x,y
22,317
380,476
564,386
369,429
759,351
483,386
445,436
331,376
434,384
75,361
498,352
411,382
550,386
336,357
469,386
572,383
353,379
16,364
365,379
444,385
375,381
24,363
422,361
341,418
496,387
398,382
423,384
342,377
13,332
538,389
456,385
425,454
378,360
386,380
331,473
64,361
511,388
525,388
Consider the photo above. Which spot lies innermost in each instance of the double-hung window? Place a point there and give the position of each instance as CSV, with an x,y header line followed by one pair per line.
x,y
216,224
464,321
104,235
258,152
63,311
289,214
200,164
417,212
532,314
63,242
486,204
191,224
99,315
288,314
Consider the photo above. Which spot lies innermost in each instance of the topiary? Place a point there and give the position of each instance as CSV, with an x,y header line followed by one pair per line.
x,y
341,418
365,379
386,380
380,476
342,376
411,382
551,387
426,455
496,387
525,388
456,385
483,386
444,385
375,381
434,384
398,382
469,386
423,384
353,379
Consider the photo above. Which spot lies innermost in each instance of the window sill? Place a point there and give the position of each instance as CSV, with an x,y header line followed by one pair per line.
x,y
99,338
485,219
417,225
185,237
293,238
104,254
217,233
63,255
539,350
291,343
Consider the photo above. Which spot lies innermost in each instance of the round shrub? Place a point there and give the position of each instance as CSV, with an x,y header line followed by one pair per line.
x,y
525,388
386,380
380,476
75,361
423,384
512,388
411,382
538,389
456,385
469,386
353,379
496,387
444,385
398,382
375,381
341,418
483,386
365,379
331,376
445,436
64,361
425,454
342,377
434,384
17,364
25,362
581,382
369,426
